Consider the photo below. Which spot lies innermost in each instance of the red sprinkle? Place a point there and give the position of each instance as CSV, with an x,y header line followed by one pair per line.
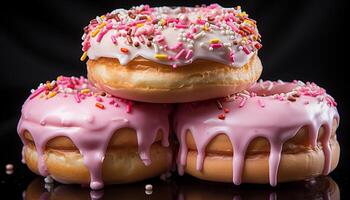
x,y
221,116
124,50
99,105
226,110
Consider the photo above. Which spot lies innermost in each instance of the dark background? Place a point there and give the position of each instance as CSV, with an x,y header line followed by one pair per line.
x,y
40,40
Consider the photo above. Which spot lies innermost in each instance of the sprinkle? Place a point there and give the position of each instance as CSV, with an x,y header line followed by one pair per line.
x,y
128,108
257,45
291,98
200,34
99,105
226,110
241,104
77,98
95,32
189,54
149,187
221,116
83,57
48,179
161,56
128,38
214,41
112,101
37,92
246,50
181,26
261,103
180,54
9,167
219,104
99,99
114,39
52,94
124,50
216,45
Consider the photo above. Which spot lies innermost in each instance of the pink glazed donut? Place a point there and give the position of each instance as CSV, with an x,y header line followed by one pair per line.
x,y
273,132
77,134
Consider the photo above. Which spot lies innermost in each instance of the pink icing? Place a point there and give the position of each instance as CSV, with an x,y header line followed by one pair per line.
x,y
88,126
273,110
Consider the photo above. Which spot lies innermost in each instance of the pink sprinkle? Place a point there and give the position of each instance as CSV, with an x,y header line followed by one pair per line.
x,y
99,99
112,101
109,26
37,92
180,54
200,21
86,45
170,58
141,39
194,30
77,98
178,45
100,36
216,46
189,54
120,27
261,103
241,104
181,26
246,50
232,57
137,22
128,108
233,27
116,104
160,38
174,65
114,39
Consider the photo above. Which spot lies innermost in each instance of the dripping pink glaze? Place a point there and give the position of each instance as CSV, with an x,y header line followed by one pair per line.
x,y
90,127
278,120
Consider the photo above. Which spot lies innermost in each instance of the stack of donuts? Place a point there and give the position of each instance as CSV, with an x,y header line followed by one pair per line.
x,y
154,72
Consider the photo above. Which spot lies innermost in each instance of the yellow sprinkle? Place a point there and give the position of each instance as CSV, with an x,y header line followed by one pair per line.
x,y
255,37
102,17
83,57
162,22
205,28
52,94
149,18
161,56
139,25
48,85
101,25
214,41
85,91
95,32
249,22
58,78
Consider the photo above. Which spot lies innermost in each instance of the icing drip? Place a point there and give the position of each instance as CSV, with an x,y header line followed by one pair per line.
x,y
89,119
173,36
272,110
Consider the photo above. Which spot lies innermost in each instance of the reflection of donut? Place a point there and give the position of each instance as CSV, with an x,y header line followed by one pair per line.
x,y
36,190
275,132
79,136
169,55
322,187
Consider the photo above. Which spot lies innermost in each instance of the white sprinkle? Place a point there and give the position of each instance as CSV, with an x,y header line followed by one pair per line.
x,y
32,90
149,187
240,48
148,192
9,167
48,180
211,48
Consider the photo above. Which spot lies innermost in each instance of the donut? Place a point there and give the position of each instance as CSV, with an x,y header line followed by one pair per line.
x,y
76,134
172,55
273,132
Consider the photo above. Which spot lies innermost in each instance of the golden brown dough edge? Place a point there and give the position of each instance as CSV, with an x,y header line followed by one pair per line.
x,y
293,167
121,165
147,81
